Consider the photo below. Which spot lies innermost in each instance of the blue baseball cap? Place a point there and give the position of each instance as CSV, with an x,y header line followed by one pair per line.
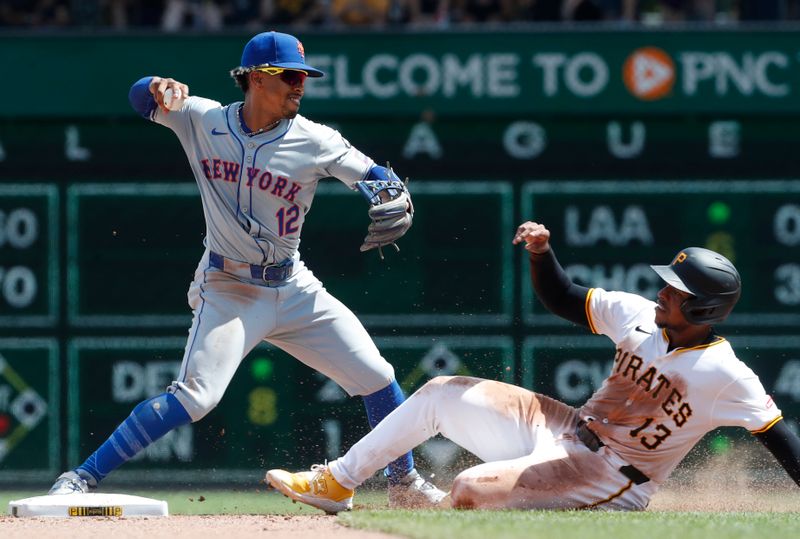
x,y
273,49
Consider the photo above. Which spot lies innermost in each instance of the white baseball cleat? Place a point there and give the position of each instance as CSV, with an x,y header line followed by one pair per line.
x,y
69,483
317,488
414,492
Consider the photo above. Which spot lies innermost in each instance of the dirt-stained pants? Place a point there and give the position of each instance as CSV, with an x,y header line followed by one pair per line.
x,y
532,457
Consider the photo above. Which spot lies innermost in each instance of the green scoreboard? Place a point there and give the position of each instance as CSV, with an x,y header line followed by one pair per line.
x,y
495,147
29,255
130,259
30,442
471,103
277,412
606,234
101,227
93,312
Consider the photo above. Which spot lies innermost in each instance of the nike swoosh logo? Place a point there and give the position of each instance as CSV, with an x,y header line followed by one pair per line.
x,y
215,132
640,330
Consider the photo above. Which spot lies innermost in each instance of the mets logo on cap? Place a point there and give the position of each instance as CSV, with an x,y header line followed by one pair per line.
x,y
277,50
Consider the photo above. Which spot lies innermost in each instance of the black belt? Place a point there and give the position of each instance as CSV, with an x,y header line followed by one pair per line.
x,y
274,273
594,443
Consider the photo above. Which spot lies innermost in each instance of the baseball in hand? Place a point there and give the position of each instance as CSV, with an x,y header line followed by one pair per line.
x,y
173,99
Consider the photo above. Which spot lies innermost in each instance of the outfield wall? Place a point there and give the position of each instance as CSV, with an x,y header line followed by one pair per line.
x,y
632,104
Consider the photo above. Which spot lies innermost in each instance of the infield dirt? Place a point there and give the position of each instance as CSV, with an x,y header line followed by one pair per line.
x,y
720,484
319,526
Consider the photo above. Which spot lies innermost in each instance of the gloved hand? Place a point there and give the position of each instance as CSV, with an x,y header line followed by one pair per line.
x,y
391,211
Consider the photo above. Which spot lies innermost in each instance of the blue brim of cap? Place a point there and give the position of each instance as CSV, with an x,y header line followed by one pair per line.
x,y
302,67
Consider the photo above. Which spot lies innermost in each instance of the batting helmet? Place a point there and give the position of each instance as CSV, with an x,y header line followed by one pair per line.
x,y
710,278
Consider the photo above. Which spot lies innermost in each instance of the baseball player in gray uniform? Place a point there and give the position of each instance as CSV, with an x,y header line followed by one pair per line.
x,y
257,164
673,380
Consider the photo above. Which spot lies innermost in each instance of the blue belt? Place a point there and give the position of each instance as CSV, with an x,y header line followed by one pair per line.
x,y
274,273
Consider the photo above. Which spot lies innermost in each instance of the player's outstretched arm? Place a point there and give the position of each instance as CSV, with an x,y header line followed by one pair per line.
x,y
785,446
147,93
554,288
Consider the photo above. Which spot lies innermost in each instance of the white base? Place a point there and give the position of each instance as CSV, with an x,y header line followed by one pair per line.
x,y
85,505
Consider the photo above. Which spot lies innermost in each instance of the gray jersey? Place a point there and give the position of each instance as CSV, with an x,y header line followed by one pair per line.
x,y
256,190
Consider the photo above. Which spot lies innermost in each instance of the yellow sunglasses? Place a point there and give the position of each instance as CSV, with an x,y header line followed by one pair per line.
x,y
292,77
278,70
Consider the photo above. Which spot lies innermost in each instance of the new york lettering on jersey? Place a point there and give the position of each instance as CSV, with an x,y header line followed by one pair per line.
x,y
256,178
257,189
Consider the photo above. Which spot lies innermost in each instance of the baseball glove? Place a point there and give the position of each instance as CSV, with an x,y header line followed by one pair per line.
x,y
391,211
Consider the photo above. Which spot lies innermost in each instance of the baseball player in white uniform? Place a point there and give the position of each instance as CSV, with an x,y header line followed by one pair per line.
x,y
673,380
257,164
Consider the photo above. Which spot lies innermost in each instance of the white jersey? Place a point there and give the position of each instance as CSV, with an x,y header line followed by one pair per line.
x,y
657,404
257,189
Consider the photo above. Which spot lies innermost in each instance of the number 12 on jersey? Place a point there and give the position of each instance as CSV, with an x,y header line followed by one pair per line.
x,y
287,220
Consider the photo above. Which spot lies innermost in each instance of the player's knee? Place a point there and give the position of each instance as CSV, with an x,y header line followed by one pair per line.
x,y
438,383
464,493
199,399
435,384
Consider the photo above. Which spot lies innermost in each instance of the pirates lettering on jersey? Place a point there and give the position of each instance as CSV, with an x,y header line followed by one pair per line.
x,y
656,386
219,169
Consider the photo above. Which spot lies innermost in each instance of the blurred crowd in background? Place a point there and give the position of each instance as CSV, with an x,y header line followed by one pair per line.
x,y
216,15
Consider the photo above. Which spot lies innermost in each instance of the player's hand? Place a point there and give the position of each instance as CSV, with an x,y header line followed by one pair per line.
x,y
535,236
159,85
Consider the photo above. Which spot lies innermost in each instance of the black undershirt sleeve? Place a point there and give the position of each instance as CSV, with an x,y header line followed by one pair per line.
x,y
556,291
785,446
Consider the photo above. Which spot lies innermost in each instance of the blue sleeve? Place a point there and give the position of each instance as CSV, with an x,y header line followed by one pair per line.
x,y
141,99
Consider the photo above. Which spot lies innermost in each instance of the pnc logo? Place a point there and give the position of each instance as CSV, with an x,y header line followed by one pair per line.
x,y
649,73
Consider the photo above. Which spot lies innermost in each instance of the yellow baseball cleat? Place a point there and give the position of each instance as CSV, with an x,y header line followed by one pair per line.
x,y
317,488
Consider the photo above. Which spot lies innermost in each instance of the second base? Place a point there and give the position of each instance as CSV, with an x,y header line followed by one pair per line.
x,y
88,505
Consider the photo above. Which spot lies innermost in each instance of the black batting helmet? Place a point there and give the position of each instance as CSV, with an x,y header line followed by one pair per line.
x,y
710,278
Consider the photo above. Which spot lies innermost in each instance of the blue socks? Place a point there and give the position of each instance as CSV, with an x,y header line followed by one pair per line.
x,y
149,421
153,418
379,405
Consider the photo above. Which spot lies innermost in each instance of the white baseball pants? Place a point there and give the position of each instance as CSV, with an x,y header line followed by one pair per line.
x,y
234,312
532,457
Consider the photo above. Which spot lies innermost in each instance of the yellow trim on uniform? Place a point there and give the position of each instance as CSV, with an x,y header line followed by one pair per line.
x,y
767,426
615,495
719,340
588,311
